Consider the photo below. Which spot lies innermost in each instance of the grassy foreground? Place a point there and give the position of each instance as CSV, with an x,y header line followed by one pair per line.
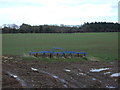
x,y
102,45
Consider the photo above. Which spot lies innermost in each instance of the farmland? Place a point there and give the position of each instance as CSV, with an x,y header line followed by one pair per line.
x,y
102,45
99,70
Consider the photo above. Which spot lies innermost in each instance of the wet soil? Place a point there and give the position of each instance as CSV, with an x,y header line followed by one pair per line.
x,y
40,74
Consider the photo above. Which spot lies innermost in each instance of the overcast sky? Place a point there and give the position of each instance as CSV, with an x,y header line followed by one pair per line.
x,y
68,12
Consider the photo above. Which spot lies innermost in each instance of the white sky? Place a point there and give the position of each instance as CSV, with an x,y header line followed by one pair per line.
x,y
68,12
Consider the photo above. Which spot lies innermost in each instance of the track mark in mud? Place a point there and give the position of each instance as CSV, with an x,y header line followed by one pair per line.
x,y
74,79
21,81
54,76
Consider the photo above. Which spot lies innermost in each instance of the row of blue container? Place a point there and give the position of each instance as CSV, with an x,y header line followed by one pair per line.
x,y
60,52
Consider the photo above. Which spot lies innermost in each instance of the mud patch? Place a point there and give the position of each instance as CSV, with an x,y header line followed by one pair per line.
x,y
40,74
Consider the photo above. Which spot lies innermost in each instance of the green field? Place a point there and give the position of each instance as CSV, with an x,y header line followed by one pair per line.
x,y
102,45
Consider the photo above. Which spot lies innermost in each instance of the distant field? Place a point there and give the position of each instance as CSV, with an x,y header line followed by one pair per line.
x,y
102,45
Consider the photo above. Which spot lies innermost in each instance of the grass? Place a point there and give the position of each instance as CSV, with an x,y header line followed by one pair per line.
x,y
102,45
55,59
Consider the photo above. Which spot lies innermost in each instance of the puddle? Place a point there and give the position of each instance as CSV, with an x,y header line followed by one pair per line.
x,y
110,87
99,70
65,86
81,74
115,75
54,76
15,76
34,69
107,73
94,79
21,81
67,70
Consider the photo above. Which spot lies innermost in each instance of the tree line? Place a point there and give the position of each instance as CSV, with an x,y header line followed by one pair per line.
x,y
86,27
